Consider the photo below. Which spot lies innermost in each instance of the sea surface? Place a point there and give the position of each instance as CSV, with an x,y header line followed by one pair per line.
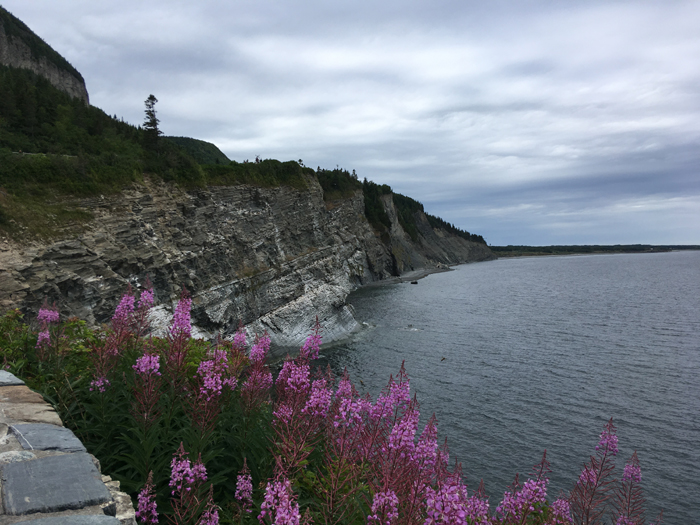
x,y
520,355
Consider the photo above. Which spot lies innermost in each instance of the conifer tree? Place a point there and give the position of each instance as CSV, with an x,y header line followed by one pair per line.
x,y
150,124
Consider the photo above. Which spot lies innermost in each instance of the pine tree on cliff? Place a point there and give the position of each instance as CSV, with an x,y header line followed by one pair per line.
x,y
150,124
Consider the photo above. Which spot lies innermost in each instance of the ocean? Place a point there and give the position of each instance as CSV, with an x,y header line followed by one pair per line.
x,y
520,355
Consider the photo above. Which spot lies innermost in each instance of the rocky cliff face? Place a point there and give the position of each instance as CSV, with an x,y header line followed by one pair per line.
x,y
271,258
15,51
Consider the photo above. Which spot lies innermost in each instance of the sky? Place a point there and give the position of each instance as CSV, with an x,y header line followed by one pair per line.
x,y
528,122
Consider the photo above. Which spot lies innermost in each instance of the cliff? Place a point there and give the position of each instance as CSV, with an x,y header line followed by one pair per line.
x,y
272,258
21,48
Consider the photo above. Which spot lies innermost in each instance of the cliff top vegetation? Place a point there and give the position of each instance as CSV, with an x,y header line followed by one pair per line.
x,y
55,150
200,150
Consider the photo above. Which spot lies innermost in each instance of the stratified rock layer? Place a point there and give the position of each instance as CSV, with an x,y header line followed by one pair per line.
x,y
271,258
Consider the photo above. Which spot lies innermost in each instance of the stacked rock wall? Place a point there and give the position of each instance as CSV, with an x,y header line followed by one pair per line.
x,y
46,475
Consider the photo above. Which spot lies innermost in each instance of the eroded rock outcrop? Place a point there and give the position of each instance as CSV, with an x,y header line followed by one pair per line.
x,y
271,258
21,48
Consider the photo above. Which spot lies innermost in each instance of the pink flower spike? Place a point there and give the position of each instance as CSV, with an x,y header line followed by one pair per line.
x,y
147,364
182,321
632,473
147,300
43,339
47,315
124,311
147,511
244,487
385,508
280,505
608,440
100,384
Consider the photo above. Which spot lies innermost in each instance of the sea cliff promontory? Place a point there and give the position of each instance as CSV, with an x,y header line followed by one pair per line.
x,y
271,258
90,205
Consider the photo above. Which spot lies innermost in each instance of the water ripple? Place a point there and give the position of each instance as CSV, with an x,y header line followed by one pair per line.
x,y
539,353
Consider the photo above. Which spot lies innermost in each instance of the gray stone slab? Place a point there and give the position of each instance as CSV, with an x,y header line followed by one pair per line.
x,y
8,379
52,484
40,436
29,412
16,455
95,519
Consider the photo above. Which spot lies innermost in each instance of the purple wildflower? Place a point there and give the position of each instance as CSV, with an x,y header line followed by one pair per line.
x,y
403,433
608,442
283,413
384,508
561,511
588,475
48,315
279,505
182,474
426,450
100,384
528,499
44,338
258,353
147,299
244,488
258,383
312,345
477,509
632,473
319,401
294,378
124,311
397,398
447,504
239,338
147,511
182,322
210,516
147,364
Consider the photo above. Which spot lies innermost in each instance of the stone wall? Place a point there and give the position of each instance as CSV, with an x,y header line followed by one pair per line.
x,y
46,475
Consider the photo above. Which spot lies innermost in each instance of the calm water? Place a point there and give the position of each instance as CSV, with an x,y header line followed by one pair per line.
x,y
520,355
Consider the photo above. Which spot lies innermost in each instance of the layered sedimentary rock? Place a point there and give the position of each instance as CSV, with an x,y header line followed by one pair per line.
x,y
271,258
16,51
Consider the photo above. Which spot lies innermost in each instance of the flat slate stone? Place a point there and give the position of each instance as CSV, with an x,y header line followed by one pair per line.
x,y
40,436
8,379
16,455
19,394
94,519
29,413
52,484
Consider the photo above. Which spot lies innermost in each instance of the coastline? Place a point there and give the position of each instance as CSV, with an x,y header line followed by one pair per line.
x,y
413,275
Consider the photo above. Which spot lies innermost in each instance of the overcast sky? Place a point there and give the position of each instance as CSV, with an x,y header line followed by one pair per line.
x,y
529,122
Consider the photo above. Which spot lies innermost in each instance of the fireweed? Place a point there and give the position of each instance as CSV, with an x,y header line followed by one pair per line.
x,y
306,444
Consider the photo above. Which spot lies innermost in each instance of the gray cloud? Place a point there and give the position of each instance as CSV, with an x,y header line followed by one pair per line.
x,y
531,122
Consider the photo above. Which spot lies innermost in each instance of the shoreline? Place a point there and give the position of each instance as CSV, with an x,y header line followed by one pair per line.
x,y
413,275
575,254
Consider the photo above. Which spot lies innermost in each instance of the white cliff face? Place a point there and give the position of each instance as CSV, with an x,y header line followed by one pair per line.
x,y
271,258
16,53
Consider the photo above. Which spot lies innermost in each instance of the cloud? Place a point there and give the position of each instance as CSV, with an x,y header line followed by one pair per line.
x,y
534,120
